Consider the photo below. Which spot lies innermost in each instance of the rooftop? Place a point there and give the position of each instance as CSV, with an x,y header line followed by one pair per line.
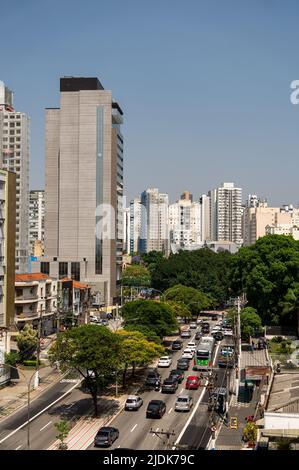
x,y
76,284
284,395
31,277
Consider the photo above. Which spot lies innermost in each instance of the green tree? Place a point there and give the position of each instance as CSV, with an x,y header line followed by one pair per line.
x,y
137,350
251,322
152,259
156,316
63,428
180,309
27,342
193,299
93,350
12,358
268,272
136,275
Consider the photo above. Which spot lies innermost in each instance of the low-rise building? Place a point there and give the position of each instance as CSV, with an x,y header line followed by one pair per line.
x,y
35,301
74,301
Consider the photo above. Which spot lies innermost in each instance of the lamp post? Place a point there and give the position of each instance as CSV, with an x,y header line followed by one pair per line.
x,y
28,383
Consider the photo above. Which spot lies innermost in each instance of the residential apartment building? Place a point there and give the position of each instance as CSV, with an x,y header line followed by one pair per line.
x,y
205,218
135,224
184,219
154,233
126,230
226,213
7,247
283,229
74,300
84,187
14,157
35,301
36,222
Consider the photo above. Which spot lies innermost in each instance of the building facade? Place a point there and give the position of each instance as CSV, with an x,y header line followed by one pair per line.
x,y
184,218
36,222
7,246
135,224
73,298
35,301
14,157
154,232
126,230
84,187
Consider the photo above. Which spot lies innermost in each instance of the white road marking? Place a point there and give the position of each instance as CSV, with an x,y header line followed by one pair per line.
x,y
118,447
182,389
157,429
170,411
19,447
46,425
41,412
133,428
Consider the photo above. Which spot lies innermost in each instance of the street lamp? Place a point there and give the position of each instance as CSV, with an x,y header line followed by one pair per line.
x,y
28,383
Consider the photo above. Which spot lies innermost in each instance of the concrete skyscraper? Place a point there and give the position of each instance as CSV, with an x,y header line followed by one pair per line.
x,y
185,223
154,233
14,157
84,187
135,224
36,222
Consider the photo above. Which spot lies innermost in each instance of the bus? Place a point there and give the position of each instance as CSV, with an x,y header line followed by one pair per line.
x,y
203,359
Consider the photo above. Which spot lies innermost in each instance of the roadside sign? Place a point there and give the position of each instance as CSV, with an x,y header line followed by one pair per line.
x,y
233,423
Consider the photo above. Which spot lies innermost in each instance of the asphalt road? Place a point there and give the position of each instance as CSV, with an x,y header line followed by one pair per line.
x,y
191,427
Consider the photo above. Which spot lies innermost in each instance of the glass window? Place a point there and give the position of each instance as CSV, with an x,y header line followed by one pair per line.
x,y
75,271
63,269
45,267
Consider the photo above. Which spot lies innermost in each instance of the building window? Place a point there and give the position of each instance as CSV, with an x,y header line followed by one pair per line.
x,y
75,271
63,269
45,267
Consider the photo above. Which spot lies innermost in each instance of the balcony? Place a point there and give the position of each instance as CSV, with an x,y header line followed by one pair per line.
x,y
26,299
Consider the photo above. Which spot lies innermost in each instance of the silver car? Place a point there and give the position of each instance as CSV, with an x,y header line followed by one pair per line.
x,y
134,402
183,403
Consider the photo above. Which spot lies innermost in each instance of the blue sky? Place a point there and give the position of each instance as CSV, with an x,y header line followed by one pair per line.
x,y
204,85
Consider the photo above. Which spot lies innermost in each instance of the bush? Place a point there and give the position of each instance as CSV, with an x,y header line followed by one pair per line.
x,y
12,358
30,362
277,339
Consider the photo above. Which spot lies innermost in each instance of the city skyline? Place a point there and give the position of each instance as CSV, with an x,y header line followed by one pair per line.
x,y
225,67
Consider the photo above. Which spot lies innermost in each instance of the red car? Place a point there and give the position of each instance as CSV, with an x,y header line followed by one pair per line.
x,y
193,382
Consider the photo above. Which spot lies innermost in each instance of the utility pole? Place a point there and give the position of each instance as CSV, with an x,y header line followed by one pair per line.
x,y
161,433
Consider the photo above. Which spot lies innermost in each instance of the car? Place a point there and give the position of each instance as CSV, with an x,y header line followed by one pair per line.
x,y
198,335
177,345
152,378
216,328
193,325
182,364
183,403
186,334
214,317
199,321
177,374
164,361
218,335
191,345
170,385
228,333
188,354
155,409
192,382
106,436
133,403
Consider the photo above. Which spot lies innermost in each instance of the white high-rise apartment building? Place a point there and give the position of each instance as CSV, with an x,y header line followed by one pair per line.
x,y
36,221
154,234
205,218
84,188
135,224
126,230
14,157
184,219
226,213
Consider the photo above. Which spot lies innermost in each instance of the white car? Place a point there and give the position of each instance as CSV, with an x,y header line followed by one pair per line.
x,y
216,328
188,354
193,325
199,321
191,345
164,361
228,333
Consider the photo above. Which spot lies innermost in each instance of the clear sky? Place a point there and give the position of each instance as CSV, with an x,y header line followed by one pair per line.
x,y
204,85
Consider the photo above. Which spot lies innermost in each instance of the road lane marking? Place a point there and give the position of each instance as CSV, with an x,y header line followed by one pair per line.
x,y
182,389
195,407
118,447
40,412
133,428
157,429
19,447
170,411
46,425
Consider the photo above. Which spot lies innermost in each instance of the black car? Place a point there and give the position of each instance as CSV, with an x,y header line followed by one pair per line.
x,y
106,436
177,374
205,328
170,385
218,335
182,364
152,378
155,409
198,335
177,345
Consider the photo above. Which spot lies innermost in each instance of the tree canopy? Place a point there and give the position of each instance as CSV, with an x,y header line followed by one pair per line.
x,y
251,322
191,298
136,275
268,272
201,269
27,342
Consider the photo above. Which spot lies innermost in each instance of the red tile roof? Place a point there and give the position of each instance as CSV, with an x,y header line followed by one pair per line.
x,y
31,277
76,284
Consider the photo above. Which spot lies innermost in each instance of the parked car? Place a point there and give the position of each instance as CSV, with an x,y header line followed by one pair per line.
x,y
177,345
106,436
170,385
182,364
152,378
164,361
183,403
192,382
177,374
133,403
198,335
193,325
155,409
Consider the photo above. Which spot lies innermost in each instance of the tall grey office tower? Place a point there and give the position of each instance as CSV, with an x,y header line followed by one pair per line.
x,y
84,185
14,157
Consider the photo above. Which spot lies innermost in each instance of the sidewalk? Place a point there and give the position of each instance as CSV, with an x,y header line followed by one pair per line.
x,y
14,395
